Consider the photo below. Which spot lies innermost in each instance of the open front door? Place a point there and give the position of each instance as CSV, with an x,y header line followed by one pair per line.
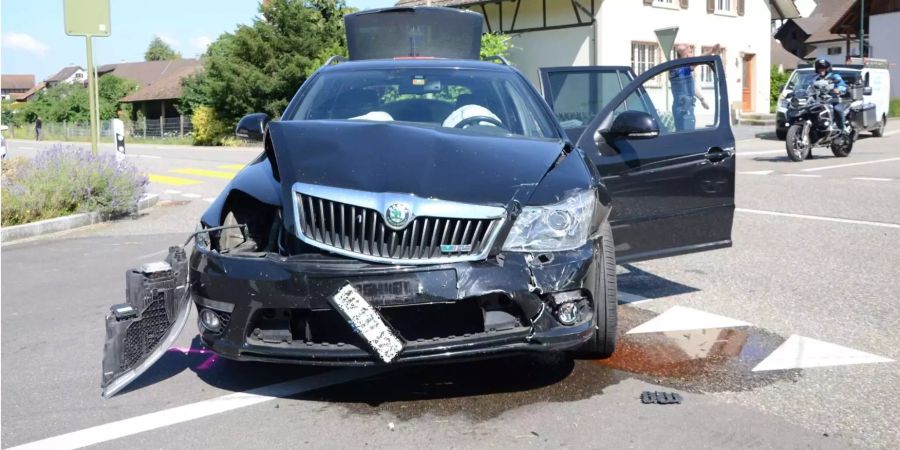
x,y
664,148
140,331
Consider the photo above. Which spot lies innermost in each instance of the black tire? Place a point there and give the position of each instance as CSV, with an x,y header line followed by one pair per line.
x,y
841,150
601,281
781,133
879,132
796,152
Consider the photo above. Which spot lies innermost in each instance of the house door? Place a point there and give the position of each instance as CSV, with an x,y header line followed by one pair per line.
x,y
747,88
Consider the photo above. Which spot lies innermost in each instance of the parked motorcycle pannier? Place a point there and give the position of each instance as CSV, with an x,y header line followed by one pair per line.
x,y
864,116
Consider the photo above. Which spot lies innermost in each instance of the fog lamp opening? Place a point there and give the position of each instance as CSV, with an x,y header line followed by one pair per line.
x,y
566,306
210,320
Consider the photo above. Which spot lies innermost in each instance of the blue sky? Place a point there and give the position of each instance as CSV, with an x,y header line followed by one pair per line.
x,y
33,41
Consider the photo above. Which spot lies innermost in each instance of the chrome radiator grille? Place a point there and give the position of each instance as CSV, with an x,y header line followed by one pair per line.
x,y
363,232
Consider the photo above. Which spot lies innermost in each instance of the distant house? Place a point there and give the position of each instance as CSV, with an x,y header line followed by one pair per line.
x,y
783,59
621,33
12,86
159,81
69,75
881,21
810,37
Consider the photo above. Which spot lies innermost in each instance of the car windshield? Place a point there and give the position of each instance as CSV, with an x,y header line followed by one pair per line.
x,y
473,101
802,79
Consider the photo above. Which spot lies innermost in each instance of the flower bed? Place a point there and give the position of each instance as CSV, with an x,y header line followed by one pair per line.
x,y
62,181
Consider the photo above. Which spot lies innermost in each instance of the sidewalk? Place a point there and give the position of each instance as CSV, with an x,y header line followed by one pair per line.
x,y
109,146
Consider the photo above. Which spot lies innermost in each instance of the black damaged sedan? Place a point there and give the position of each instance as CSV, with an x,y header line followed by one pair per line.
x,y
415,204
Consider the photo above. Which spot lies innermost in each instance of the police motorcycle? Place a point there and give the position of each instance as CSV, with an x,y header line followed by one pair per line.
x,y
810,118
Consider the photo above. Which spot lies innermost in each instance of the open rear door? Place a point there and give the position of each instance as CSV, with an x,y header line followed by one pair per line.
x,y
672,186
139,331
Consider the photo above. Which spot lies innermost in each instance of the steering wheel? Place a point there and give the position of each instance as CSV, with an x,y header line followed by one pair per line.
x,y
477,119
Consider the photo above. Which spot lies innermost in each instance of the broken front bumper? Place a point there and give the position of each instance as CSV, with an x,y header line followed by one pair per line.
x,y
272,308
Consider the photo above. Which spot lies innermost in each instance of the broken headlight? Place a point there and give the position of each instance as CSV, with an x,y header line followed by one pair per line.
x,y
560,226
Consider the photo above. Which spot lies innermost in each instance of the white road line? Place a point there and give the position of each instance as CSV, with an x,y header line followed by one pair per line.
x,y
209,199
191,195
838,166
873,179
192,411
26,148
802,175
172,191
144,156
822,218
762,152
627,298
889,133
756,172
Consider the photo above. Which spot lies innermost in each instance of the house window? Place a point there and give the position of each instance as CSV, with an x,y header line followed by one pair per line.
x,y
725,6
78,75
706,72
671,4
644,55
835,50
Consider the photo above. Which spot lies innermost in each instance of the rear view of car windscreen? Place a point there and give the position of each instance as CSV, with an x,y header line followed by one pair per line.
x,y
414,32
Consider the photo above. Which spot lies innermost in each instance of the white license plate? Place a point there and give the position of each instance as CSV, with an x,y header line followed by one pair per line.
x,y
367,323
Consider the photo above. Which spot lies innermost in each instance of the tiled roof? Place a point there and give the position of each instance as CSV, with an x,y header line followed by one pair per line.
x,y
64,73
166,87
16,81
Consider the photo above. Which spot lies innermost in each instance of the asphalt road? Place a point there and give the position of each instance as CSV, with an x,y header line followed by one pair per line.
x,y
815,255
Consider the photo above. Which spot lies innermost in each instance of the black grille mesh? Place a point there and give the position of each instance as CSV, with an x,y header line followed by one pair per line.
x,y
364,231
142,335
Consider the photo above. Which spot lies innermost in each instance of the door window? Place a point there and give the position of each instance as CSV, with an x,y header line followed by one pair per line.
x,y
578,96
684,98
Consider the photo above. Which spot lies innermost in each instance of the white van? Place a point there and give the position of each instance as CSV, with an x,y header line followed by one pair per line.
x,y
874,74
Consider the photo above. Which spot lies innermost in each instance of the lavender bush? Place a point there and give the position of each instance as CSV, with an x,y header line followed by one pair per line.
x,y
62,181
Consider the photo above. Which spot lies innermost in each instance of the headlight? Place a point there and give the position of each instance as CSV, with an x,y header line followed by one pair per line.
x,y
560,226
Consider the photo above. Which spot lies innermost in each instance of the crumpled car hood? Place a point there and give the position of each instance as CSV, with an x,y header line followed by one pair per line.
x,y
441,163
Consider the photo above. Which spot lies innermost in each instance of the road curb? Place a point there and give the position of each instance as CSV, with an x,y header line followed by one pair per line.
x,y
27,230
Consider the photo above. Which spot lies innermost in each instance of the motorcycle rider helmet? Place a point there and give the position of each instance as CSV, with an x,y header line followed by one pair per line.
x,y
822,64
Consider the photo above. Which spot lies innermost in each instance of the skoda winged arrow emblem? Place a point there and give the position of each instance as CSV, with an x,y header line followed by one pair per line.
x,y
397,215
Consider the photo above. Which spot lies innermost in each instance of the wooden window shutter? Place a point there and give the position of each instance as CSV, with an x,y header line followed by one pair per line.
x,y
740,7
684,4
710,6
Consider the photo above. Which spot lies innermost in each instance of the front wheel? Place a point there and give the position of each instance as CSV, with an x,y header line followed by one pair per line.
x,y
601,281
796,143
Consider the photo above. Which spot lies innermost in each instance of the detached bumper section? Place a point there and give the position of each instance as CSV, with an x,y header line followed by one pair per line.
x,y
278,309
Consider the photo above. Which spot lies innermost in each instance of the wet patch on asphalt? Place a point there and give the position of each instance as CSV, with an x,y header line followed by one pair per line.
x,y
712,360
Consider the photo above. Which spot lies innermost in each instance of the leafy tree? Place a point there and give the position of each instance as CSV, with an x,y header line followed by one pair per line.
x,y
778,79
160,51
69,102
495,44
259,67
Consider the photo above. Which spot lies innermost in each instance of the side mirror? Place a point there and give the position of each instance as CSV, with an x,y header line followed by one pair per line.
x,y
867,90
252,126
632,125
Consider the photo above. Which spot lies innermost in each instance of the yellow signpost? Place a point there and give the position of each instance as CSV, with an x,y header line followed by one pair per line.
x,y
89,18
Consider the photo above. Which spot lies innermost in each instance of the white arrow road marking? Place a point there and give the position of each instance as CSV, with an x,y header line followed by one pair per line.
x,y
873,179
756,172
799,352
822,218
838,166
191,195
192,411
171,191
680,318
802,175
209,199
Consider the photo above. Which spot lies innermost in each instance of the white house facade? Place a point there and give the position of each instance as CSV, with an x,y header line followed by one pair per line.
x,y
883,38
621,33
